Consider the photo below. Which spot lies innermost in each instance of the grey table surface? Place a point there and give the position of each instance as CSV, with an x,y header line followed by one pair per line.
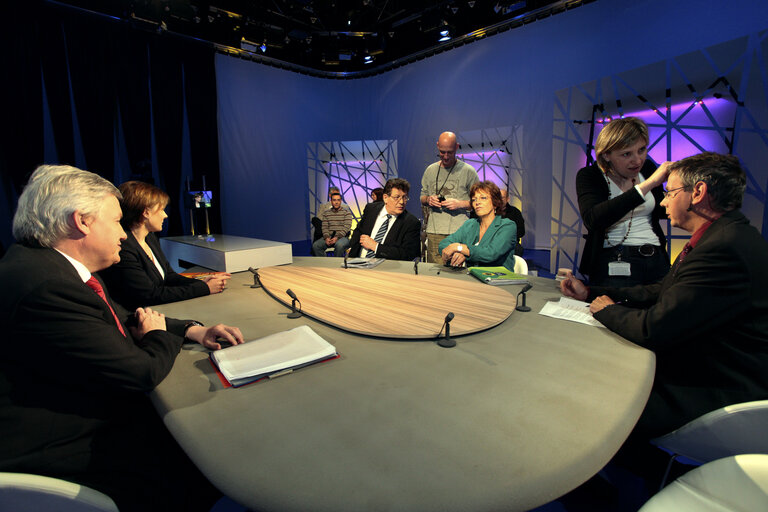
x,y
509,419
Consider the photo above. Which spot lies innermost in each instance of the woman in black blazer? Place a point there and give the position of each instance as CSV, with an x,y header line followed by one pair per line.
x,y
620,203
143,276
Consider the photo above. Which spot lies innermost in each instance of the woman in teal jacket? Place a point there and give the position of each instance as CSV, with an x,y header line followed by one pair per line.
x,y
488,240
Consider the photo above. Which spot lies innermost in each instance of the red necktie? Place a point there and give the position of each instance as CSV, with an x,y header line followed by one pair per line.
x,y
95,285
686,249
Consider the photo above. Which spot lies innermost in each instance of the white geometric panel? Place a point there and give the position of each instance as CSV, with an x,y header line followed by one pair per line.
x,y
714,99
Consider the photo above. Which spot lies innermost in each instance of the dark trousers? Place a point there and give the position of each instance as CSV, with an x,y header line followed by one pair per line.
x,y
136,462
645,269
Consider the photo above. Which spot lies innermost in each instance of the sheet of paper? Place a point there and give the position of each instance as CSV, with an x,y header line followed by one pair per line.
x,y
570,309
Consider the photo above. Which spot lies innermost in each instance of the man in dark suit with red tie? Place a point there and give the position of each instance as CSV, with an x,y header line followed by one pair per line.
x,y
387,230
76,367
707,320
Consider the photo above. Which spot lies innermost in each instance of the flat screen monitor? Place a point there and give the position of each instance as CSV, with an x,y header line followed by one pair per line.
x,y
198,199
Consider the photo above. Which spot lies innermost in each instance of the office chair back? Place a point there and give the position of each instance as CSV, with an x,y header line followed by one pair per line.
x,y
736,484
21,492
732,430
521,267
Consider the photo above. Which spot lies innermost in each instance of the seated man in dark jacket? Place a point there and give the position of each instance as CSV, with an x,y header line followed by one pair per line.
x,y
76,366
387,230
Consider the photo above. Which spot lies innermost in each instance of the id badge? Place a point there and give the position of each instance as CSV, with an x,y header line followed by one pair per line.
x,y
619,268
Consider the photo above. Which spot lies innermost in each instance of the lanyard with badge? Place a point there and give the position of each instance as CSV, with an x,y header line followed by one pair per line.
x,y
440,196
618,267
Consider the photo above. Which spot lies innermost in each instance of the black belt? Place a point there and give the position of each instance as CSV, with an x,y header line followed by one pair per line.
x,y
645,250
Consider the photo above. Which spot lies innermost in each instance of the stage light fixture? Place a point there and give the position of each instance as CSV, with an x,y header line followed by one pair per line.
x,y
368,59
454,9
497,8
471,3
263,46
445,36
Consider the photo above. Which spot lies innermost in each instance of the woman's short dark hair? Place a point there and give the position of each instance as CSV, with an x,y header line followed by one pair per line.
x,y
137,197
491,188
378,194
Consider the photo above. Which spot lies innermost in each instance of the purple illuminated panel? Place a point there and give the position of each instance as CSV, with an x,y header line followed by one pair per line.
x,y
356,179
693,128
490,165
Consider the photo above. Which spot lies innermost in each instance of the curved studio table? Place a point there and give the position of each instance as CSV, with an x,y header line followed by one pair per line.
x,y
509,419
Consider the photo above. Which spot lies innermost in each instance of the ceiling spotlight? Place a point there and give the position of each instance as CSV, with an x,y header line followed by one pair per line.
x,y
287,39
444,33
454,9
368,59
471,3
445,36
263,46
313,19
496,8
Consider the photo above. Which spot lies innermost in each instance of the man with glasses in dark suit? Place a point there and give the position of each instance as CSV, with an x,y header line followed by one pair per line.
x,y
386,229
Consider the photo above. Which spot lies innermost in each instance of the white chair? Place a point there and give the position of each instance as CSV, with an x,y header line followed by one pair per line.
x,y
737,484
521,267
732,430
20,492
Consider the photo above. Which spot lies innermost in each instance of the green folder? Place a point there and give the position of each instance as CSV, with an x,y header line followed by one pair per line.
x,y
498,275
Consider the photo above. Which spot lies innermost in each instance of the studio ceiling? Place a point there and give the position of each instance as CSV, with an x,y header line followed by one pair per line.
x,y
333,38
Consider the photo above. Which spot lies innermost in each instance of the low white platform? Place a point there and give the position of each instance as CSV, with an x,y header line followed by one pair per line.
x,y
225,253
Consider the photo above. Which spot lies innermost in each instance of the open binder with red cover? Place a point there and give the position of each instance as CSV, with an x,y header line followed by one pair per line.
x,y
270,356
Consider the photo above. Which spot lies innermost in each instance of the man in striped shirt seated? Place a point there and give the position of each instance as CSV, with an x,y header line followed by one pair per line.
x,y
337,222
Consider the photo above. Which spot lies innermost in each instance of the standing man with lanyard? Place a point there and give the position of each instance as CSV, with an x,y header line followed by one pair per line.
x,y
445,192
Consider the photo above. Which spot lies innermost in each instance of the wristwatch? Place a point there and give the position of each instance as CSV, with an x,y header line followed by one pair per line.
x,y
459,247
193,323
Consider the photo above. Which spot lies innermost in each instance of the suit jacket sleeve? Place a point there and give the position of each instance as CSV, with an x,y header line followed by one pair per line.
x,y
363,227
403,244
347,223
134,282
74,330
710,289
516,216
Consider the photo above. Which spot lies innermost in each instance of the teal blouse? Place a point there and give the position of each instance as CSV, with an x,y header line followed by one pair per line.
x,y
495,249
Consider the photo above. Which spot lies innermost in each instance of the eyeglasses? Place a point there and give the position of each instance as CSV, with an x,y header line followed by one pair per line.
x,y
667,192
397,199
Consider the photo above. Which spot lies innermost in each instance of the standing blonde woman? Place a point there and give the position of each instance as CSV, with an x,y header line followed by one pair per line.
x,y
619,201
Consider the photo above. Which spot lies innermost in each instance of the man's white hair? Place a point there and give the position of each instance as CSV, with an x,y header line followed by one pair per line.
x,y
53,193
